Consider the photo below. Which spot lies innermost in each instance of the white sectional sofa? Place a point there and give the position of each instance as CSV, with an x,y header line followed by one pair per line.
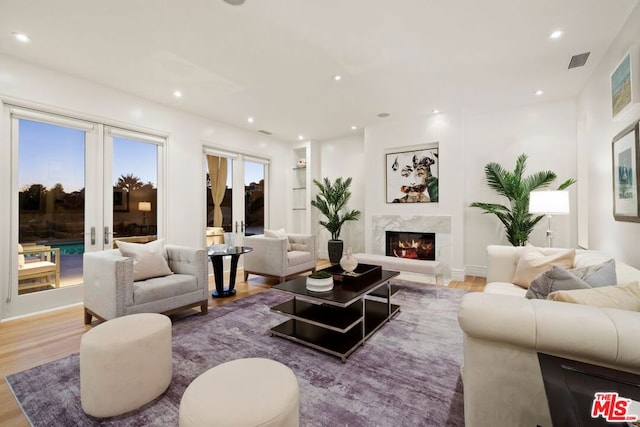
x,y
504,331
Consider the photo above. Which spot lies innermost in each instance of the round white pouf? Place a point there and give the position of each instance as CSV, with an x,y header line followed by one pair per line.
x,y
125,363
242,393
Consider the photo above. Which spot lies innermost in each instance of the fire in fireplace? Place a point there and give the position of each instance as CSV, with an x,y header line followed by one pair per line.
x,y
412,245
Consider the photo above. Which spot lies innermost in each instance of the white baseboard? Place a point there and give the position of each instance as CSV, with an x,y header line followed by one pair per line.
x,y
457,274
476,270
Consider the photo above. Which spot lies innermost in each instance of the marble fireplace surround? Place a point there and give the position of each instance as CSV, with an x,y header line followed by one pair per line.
x,y
438,224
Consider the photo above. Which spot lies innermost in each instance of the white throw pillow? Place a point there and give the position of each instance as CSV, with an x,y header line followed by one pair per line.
x,y
534,261
278,234
148,259
625,296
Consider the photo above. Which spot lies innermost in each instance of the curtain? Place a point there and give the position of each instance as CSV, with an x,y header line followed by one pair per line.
x,y
218,175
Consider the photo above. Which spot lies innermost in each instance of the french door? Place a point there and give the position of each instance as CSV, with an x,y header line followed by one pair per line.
x,y
76,185
236,193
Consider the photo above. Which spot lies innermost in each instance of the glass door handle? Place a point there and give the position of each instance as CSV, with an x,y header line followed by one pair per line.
x,y
106,234
93,236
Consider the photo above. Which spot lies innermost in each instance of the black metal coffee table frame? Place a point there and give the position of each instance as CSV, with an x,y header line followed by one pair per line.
x,y
339,321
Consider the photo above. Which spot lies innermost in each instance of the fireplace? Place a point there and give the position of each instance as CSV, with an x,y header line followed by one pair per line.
x,y
411,245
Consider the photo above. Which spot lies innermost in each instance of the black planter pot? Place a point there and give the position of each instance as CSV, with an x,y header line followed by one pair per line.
x,y
335,248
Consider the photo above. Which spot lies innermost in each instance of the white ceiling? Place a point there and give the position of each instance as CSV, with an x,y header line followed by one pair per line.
x,y
274,59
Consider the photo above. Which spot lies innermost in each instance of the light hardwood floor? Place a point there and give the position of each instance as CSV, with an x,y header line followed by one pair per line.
x,y
34,340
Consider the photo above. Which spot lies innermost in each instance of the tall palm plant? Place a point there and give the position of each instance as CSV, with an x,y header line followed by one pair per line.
x,y
331,201
517,220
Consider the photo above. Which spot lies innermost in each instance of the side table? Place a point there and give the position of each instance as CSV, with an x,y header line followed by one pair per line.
x,y
216,255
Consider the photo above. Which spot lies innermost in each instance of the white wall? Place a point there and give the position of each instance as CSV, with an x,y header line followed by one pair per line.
x,y
344,157
596,130
546,133
467,143
187,134
446,129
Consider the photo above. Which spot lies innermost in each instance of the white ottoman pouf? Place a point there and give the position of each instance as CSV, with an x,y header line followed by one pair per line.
x,y
125,363
242,393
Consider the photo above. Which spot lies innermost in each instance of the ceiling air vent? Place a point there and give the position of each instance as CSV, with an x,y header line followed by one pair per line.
x,y
578,60
266,132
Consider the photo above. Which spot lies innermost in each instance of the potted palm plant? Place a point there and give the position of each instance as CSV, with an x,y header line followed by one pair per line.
x,y
517,220
331,201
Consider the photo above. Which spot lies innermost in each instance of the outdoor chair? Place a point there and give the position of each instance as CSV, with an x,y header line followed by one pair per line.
x,y
38,265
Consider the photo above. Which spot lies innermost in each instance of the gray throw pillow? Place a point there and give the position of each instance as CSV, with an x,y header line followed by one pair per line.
x,y
598,275
559,279
554,279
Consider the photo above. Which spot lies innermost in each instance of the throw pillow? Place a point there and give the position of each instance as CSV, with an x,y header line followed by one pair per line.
x,y
278,234
598,275
534,261
148,259
559,279
554,279
625,296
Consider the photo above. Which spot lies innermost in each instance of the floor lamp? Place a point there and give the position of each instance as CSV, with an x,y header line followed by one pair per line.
x,y
144,207
549,203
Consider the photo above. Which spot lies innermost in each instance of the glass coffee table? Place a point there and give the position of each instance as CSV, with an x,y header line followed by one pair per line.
x,y
341,320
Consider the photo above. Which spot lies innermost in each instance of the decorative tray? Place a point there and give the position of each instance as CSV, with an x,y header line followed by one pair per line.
x,y
362,271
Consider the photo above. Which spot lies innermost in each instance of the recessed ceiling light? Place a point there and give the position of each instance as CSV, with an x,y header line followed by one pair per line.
x,y
250,119
337,77
234,2
177,94
556,34
354,127
436,111
300,137
383,114
539,92
22,37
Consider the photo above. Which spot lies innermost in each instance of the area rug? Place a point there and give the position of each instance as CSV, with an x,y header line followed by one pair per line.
x,y
407,374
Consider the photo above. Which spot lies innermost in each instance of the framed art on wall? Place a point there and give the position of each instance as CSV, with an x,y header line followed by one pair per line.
x,y
412,174
625,150
625,84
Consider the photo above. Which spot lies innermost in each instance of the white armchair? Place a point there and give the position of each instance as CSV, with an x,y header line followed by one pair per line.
x,y
110,290
280,257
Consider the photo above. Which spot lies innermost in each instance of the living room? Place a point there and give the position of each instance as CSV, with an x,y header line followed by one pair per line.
x,y
576,129
569,134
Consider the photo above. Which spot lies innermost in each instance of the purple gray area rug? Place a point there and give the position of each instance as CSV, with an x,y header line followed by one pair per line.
x,y
407,374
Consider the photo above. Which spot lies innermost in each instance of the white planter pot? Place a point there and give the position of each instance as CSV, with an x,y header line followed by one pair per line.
x,y
320,285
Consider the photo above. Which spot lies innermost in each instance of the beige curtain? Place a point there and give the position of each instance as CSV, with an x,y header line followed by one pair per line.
x,y
218,175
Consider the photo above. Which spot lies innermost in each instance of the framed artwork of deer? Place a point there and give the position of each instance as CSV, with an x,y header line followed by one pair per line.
x,y
412,174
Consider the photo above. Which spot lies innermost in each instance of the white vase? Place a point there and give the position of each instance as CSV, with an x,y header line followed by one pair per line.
x,y
348,262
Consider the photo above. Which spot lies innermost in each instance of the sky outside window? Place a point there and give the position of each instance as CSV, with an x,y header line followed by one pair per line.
x,y
51,154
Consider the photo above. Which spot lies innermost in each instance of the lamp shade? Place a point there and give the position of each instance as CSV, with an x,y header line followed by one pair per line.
x,y
549,202
144,206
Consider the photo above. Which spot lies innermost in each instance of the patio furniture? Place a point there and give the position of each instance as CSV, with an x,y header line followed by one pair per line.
x,y
39,265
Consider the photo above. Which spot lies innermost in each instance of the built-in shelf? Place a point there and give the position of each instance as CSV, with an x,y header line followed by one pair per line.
x,y
299,218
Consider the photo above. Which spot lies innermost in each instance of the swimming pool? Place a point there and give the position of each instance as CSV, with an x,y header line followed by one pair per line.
x,y
69,248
